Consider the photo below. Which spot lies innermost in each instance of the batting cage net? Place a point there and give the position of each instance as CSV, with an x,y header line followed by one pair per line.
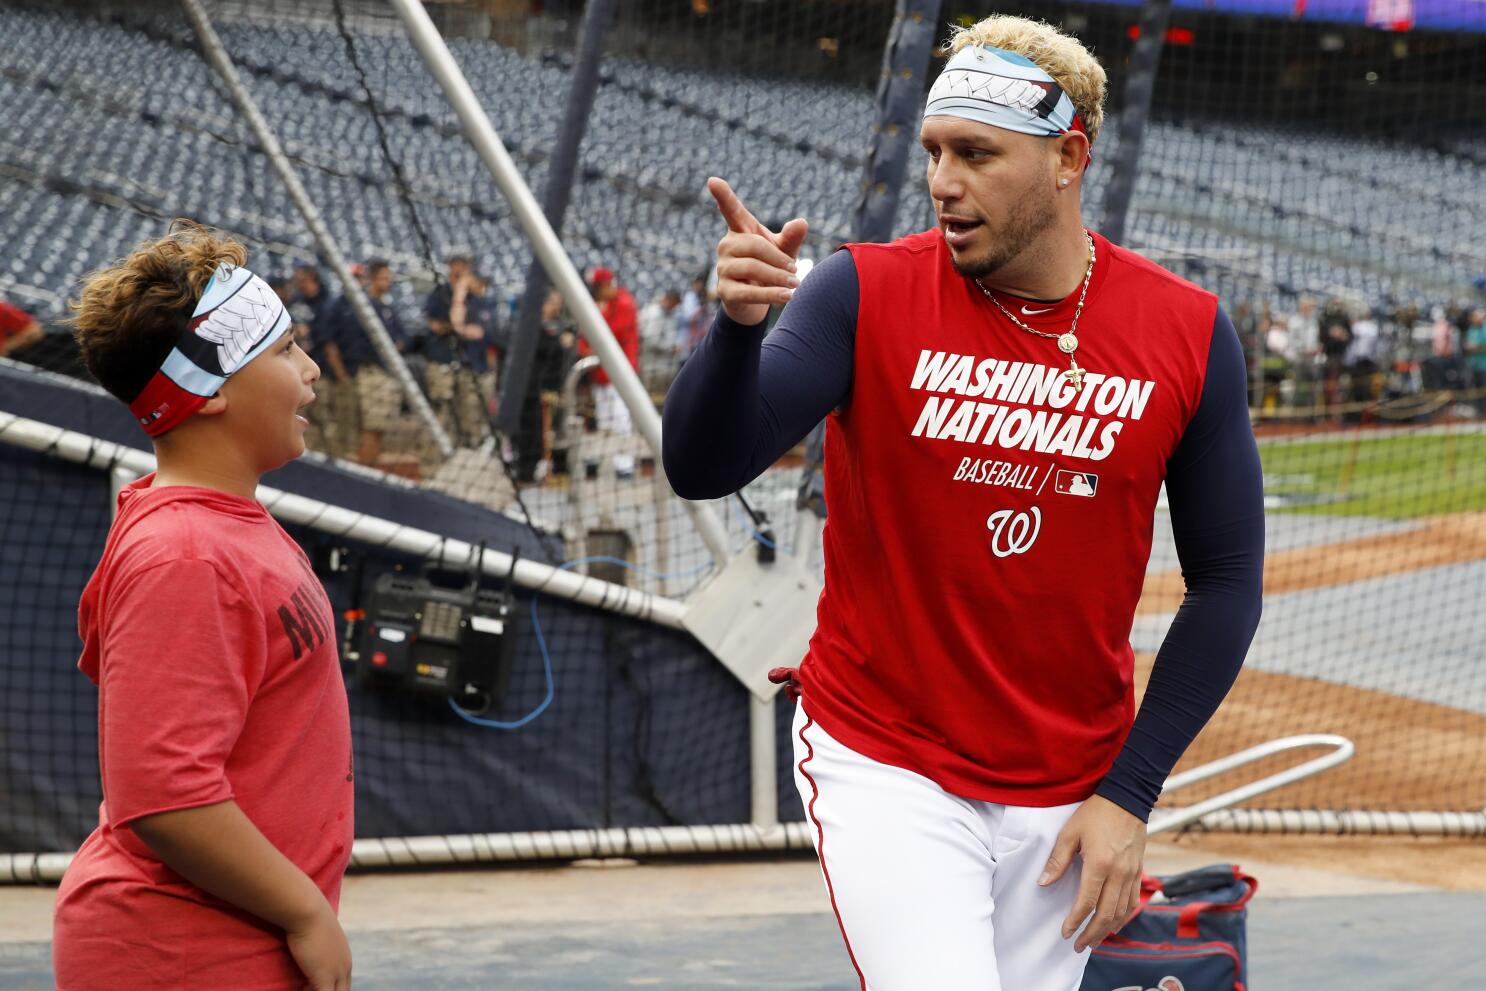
x,y
1323,178
1298,170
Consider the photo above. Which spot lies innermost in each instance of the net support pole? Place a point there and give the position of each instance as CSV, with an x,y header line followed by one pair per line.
x,y
548,248
763,762
575,113
221,63
423,852
1139,85
900,106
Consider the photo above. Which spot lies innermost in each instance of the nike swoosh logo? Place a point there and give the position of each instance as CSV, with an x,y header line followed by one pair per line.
x,y
1035,312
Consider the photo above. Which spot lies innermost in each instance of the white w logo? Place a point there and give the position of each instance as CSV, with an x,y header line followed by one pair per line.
x,y
1013,533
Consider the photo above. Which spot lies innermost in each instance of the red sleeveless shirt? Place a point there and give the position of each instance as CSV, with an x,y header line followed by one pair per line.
x,y
989,527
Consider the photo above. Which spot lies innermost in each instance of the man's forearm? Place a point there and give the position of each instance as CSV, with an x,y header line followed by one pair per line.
x,y
1215,488
711,413
218,849
740,401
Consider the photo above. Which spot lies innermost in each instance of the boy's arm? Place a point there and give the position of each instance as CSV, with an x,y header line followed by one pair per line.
x,y
171,710
218,849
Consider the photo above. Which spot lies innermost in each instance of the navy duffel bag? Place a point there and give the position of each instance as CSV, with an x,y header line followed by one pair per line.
x,y
1191,939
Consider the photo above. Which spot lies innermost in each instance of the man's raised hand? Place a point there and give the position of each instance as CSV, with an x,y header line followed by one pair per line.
x,y
755,267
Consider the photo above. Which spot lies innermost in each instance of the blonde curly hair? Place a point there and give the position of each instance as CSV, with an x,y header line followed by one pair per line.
x,y
132,311
1059,55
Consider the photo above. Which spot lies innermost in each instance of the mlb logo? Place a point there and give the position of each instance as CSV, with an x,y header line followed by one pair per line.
x,y
1076,483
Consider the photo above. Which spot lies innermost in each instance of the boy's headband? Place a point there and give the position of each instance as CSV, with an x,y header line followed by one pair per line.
x,y
1003,89
236,320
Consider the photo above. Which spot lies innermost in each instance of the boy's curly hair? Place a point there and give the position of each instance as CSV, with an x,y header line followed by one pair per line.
x,y
131,312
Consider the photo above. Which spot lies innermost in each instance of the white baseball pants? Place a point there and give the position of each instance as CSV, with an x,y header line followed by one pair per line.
x,y
614,418
934,892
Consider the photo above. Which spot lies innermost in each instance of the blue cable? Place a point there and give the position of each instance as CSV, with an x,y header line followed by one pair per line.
x,y
536,624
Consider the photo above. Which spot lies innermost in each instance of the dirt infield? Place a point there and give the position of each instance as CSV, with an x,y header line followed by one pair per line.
x,y
1390,770
1411,755
1457,538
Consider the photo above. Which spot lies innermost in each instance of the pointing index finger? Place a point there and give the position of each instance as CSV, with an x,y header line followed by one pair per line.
x,y
733,211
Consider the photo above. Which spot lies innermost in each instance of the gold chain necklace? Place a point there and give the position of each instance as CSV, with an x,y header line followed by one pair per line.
x,y
1067,343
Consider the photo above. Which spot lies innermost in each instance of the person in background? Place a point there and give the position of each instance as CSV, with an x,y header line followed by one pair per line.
x,y
438,345
18,329
474,319
1444,335
618,307
1303,334
354,360
1276,365
1336,337
1362,357
1248,322
441,297
659,347
1475,352
542,413
693,318
334,427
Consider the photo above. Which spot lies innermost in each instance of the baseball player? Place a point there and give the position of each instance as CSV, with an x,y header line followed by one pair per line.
x,y
1005,395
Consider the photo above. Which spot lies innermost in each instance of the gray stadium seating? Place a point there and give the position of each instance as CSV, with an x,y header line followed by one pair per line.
x,y
116,128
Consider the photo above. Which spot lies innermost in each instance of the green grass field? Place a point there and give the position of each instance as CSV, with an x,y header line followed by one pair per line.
x,y
1398,477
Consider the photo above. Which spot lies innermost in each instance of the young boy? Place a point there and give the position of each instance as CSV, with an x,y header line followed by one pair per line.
x,y
223,730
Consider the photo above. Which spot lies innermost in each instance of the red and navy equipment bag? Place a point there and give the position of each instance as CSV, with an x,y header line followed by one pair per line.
x,y
1193,940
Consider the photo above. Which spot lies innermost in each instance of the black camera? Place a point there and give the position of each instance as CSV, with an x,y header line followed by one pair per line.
x,y
422,636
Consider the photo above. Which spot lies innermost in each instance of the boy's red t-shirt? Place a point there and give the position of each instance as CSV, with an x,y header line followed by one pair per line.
x,y
213,647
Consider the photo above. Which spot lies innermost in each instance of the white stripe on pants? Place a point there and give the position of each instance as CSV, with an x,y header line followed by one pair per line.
x,y
934,892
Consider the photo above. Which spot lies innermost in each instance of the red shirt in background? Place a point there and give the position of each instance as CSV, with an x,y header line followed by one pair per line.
x,y
13,320
213,647
623,318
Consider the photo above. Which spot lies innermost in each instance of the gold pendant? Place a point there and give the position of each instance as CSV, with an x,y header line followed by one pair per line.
x,y
1074,375
1068,343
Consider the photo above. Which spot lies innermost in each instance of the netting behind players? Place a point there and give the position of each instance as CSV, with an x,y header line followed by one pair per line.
x,y
1304,173
157,136
1308,173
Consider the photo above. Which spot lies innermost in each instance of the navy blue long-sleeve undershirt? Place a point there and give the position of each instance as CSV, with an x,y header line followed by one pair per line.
x,y
744,399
